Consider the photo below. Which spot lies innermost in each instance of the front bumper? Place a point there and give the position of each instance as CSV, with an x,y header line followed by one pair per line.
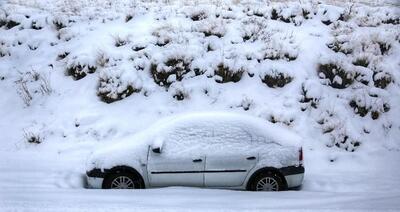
x,y
294,175
95,178
94,182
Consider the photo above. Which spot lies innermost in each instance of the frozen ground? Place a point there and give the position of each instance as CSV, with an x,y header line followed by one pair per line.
x,y
75,75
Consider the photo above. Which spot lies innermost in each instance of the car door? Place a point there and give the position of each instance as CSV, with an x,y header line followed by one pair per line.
x,y
232,158
181,161
175,170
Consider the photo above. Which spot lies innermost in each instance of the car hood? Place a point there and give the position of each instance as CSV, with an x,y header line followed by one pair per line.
x,y
129,151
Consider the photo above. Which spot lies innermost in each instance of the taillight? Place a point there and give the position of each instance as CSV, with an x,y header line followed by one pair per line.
x,y
301,155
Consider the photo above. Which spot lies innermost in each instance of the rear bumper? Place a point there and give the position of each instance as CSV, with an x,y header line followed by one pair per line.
x,y
294,175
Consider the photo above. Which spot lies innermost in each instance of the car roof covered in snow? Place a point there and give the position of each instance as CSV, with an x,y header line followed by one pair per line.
x,y
254,125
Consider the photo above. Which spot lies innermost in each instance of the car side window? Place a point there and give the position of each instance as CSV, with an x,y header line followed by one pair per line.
x,y
187,140
230,137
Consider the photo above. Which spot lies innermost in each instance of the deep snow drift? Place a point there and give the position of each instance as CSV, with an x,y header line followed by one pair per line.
x,y
76,75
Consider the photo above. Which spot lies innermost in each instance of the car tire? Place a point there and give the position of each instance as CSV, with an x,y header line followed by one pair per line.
x,y
122,181
267,181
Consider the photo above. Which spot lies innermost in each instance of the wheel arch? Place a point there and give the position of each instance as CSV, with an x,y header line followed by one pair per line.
x,y
125,169
265,170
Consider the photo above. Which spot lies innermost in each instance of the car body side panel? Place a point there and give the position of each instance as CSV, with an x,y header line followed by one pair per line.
x,y
227,171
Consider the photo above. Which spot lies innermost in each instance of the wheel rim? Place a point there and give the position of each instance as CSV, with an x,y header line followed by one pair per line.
x,y
267,184
122,182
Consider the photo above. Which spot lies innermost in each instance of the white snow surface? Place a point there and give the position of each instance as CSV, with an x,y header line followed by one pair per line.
x,y
350,135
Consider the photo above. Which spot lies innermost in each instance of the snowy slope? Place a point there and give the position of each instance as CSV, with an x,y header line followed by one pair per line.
x,y
76,75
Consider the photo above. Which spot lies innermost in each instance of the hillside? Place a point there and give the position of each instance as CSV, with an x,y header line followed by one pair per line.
x,y
76,75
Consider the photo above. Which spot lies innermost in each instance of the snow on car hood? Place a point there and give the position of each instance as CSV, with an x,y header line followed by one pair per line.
x,y
132,150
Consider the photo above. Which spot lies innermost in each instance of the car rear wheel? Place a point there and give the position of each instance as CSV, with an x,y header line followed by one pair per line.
x,y
267,182
122,181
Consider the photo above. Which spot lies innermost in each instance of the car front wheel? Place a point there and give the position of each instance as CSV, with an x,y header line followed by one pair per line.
x,y
122,181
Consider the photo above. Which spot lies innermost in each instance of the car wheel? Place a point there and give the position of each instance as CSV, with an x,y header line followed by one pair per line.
x,y
267,182
122,181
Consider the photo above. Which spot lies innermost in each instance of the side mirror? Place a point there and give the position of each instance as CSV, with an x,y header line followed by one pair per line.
x,y
156,150
157,145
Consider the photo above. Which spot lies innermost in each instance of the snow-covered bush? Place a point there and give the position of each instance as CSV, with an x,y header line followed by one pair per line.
x,y
62,55
60,22
38,23
256,10
364,102
173,69
116,83
363,61
120,41
362,45
4,50
279,118
372,17
33,137
102,59
163,35
211,27
137,47
382,79
65,34
226,74
34,44
310,95
13,20
198,15
247,103
129,17
336,75
78,71
179,92
329,16
140,61
79,66
3,19
274,78
340,46
293,13
278,45
251,27
339,137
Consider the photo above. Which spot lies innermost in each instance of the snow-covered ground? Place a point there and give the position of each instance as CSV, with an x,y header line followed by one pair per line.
x,y
76,75
54,182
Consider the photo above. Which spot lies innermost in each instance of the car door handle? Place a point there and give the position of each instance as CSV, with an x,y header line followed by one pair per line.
x,y
197,160
251,158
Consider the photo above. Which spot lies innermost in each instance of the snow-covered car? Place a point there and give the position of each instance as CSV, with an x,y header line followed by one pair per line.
x,y
213,150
